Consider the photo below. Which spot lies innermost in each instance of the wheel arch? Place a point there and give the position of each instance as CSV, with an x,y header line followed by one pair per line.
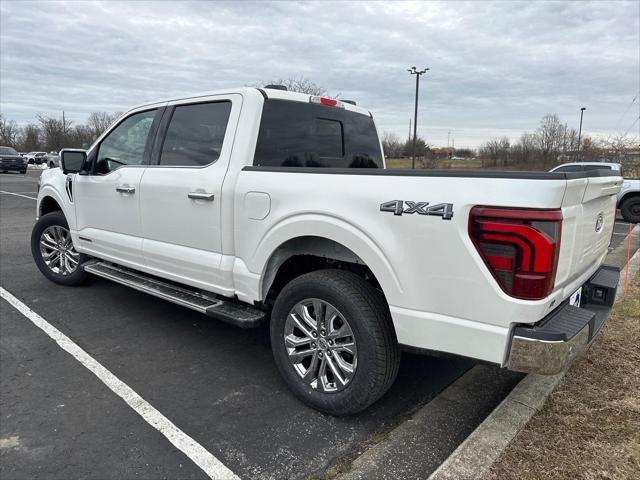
x,y
50,200
48,204
327,242
627,196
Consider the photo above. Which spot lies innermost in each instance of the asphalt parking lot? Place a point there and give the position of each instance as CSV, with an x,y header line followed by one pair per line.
x,y
216,383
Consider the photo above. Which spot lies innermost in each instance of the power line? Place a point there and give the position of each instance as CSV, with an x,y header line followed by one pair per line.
x,y
626,111
629,129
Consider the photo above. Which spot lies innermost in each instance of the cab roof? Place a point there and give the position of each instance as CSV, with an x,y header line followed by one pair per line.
x,y
267,93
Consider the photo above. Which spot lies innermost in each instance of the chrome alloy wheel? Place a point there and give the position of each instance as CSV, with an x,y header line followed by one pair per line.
x,y
320,345
57,250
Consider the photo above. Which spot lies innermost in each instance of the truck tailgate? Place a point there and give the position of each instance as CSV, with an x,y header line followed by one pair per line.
x,y
589,210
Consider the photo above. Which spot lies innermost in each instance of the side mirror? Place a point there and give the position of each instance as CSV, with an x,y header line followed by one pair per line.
x,y
72,160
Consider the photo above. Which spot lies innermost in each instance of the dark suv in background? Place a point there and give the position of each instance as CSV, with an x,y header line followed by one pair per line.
x,y
10,160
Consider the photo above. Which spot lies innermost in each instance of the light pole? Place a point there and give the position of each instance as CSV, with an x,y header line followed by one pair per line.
x,y
582,109
417,73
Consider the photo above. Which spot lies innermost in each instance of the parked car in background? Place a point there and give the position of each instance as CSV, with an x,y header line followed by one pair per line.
x,y
36,158
11,160
53,159
629,195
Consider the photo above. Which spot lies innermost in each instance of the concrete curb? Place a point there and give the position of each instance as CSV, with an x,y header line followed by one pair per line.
x,y
475,456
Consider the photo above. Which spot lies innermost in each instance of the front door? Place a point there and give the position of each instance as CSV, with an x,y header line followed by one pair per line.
x,y
107,199
181,195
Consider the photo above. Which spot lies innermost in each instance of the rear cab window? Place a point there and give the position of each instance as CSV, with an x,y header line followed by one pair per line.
x,y
298,134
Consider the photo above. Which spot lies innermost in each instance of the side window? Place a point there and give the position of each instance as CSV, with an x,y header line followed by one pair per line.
x,y
125,144
597,167
195,134
570,168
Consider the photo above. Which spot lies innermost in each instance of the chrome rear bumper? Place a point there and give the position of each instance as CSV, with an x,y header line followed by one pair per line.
x,y
550,345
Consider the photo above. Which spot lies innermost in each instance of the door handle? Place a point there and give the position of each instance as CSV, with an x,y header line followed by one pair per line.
x,y
125,189
201,196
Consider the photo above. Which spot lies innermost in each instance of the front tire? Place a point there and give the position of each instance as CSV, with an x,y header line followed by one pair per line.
x,y
630,209
333,341
54,253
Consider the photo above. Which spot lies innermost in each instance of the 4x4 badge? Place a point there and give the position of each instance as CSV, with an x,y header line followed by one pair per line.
x,y
398,207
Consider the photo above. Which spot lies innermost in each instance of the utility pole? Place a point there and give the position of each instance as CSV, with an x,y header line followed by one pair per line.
x,y
417,73
582,109
64,124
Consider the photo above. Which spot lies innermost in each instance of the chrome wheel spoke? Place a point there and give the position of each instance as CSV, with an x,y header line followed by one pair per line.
x,y
343,364
292,341
310,375
299,355
303,326
47,255
303,314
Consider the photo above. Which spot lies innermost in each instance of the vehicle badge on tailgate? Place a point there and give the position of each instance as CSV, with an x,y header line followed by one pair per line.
x,y
398,207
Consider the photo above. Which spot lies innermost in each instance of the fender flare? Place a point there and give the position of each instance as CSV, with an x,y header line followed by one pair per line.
x,y
335,229
49,191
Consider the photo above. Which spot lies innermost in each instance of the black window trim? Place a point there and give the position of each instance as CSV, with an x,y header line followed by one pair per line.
x,y
146,155
161,134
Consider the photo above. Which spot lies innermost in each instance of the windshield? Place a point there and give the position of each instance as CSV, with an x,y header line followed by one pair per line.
x,y
7,151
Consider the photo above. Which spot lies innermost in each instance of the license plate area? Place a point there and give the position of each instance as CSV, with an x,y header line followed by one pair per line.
x,y
576,298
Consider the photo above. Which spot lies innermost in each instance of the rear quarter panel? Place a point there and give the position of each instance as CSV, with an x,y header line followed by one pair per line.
x,y
422,262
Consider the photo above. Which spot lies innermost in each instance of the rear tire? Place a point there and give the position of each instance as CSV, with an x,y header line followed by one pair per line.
x,y
630,209
364,353
53,251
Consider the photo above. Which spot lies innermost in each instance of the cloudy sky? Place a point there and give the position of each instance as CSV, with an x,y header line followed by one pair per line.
x,y
496,68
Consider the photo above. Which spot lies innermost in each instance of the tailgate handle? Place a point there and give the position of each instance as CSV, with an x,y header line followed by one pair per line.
x,y
201,196
125,189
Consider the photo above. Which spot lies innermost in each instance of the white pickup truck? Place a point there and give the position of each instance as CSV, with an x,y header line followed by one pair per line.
x,y
262,205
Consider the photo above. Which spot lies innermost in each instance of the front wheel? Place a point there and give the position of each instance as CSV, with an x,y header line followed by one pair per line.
x,y
333,341
54,253
630,209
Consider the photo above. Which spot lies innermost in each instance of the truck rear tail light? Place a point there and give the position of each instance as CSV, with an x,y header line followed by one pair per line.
x,y
330,102
520,247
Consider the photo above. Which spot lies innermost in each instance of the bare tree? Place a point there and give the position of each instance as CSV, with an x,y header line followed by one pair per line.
x,y
98,122
550,135
9,132
495,152
29,138
300,84
391,145
81,136
54,132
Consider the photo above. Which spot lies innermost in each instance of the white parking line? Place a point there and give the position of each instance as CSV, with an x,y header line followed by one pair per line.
x,y
18,195
192,449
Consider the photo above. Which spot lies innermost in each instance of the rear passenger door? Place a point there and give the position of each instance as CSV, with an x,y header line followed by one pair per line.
x,y
180,198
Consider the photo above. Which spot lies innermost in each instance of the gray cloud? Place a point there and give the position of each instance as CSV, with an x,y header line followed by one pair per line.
x,y
496,68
